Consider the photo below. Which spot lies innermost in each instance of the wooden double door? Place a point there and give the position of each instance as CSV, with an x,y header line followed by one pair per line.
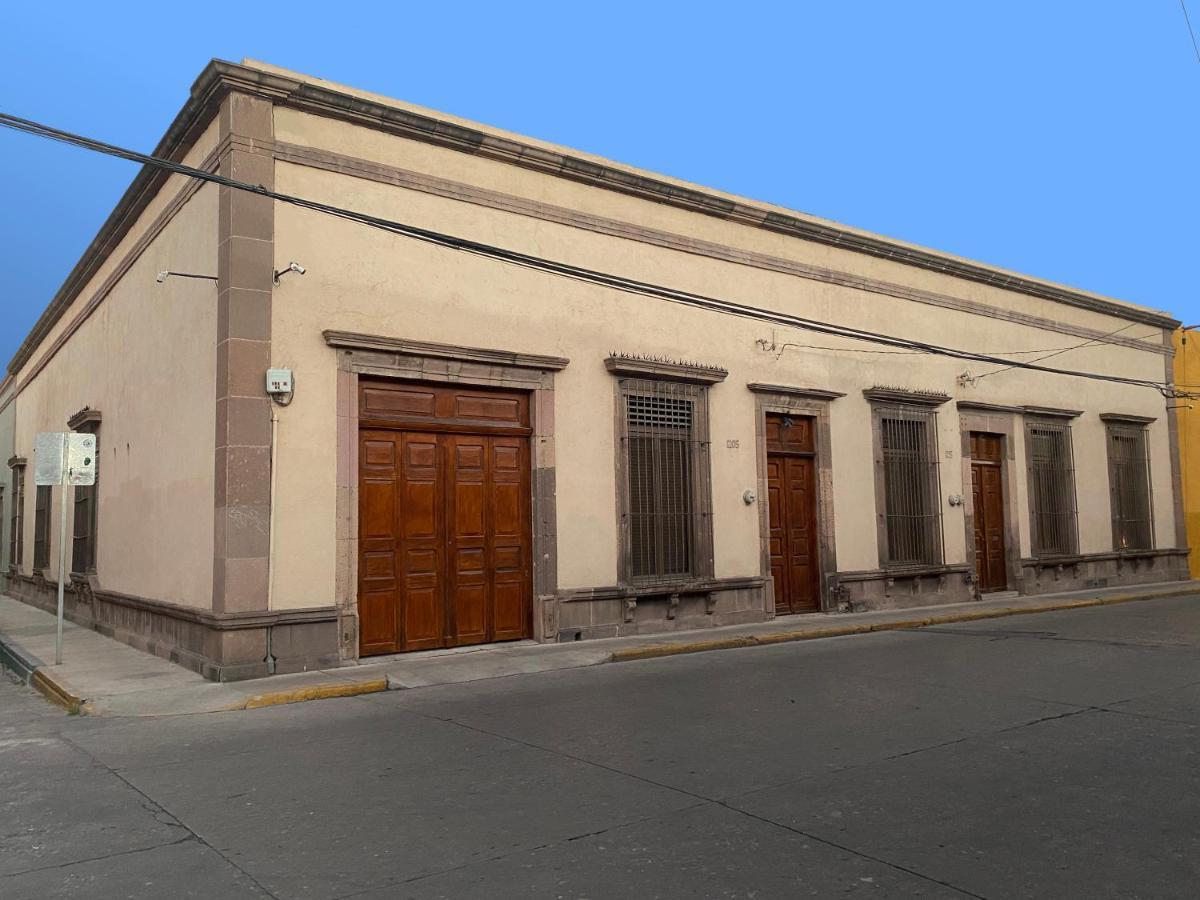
x,y
444,519
792,509
987,494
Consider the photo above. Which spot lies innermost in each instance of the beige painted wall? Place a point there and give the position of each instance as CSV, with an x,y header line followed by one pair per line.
x,y
368,281
146,359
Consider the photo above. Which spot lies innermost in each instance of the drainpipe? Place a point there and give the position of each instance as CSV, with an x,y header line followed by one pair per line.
x,y
271,534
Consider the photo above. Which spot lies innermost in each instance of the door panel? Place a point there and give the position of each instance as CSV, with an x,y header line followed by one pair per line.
x,y
421,550
987,494
444,522
792,514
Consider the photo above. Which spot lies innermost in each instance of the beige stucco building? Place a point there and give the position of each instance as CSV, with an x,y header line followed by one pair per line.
x,y
476,450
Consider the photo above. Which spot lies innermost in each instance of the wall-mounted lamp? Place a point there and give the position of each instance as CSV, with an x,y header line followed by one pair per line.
x,y
163,276
291,267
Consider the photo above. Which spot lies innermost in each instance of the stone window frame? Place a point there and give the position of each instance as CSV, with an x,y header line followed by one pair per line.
x,y
86,421
628,371
991,418
883,399
379,356
1051,418
1122,421
17,465
813,403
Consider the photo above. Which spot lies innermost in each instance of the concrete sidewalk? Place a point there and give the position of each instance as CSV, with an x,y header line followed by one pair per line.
x,y
101,676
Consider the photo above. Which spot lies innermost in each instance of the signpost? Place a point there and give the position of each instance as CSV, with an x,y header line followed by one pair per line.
x,y
63,459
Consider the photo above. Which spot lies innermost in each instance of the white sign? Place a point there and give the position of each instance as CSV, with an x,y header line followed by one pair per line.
x,y
48,458
77,465
81,459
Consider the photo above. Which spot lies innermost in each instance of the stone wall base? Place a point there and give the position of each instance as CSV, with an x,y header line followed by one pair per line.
x,y
1102,570
229,647
621,612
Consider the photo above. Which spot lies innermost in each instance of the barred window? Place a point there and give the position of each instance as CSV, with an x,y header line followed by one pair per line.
x,y
83,541
16,540
665,461
1129,487
41,526
907,457
1051,487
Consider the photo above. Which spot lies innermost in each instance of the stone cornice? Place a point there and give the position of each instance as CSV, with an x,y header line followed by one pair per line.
x,y
900,395
982,406
345,340
220,78
789,391
692,373
1050,412
327,101
1126,419
85,418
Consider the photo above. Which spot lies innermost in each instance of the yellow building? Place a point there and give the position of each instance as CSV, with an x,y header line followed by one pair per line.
x,y
1187,374
461,449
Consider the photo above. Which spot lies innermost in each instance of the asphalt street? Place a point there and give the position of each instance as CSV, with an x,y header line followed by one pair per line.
x,y
1053,755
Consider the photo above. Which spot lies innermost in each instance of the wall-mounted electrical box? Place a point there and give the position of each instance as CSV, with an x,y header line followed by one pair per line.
x,y
279,381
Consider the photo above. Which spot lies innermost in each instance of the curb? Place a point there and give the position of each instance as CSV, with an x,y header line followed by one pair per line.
x,y
314,692
17,660
56,692
656,651
33,672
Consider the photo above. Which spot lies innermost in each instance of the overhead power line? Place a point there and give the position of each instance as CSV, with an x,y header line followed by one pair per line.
x,y
566,270
1191,33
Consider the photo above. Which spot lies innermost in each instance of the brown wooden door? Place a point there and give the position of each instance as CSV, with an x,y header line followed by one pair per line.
x,y
792,514
987,493
444,523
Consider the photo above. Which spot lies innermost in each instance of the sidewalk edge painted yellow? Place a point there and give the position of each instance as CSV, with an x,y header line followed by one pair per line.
x,y
315,692
55,691
655,651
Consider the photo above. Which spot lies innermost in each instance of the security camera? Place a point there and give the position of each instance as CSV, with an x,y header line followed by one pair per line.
x,y
291,267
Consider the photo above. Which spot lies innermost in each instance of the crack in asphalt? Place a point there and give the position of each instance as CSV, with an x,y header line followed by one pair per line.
x,y
703,800
1054,636
176,821
91,859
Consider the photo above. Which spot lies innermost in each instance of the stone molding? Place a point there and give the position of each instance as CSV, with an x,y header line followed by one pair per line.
x,y
637,367
1127,419
800,393
16,462
346,340
1050,412
331,103
85,418
220,77
354,167
900,395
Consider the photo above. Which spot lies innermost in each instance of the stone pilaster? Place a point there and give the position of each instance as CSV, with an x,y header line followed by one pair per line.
x,y
243,410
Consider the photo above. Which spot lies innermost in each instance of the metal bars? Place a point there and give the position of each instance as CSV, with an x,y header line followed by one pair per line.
x,y
41,526
1051,487
908,457
16,540
1129,487
666,509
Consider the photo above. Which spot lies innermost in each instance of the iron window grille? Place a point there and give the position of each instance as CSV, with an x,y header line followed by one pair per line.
x,y
83,535
666,504
41,526
1129,487
1051,488
16,545
907,461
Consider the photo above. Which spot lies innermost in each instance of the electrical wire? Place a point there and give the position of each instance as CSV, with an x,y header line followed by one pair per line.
x,y
1059,352
566,270
1188,20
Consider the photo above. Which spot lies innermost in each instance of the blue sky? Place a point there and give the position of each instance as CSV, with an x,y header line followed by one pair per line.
x,y
1059,139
